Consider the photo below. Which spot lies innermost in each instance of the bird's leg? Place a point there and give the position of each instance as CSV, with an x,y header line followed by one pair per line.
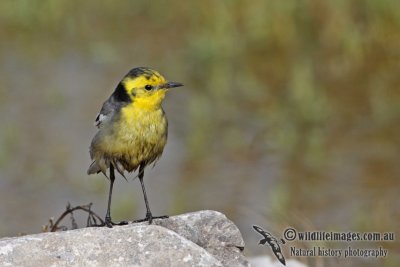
x,y
149,217
107,221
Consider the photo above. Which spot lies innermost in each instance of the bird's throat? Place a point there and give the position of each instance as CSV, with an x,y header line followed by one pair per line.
x,y
149,103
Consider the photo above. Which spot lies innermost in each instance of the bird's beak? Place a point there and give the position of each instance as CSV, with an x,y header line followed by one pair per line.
x,y
171,85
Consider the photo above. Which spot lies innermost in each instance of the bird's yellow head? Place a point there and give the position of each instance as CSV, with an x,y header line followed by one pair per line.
x,y
143,87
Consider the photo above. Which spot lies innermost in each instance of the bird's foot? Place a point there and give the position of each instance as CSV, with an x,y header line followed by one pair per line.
x,y
109,223
149,218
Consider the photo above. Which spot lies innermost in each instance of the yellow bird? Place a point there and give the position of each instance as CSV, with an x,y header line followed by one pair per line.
x,y
132,131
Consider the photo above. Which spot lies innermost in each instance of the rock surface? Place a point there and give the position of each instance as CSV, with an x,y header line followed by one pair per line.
x,y
204,238
267,261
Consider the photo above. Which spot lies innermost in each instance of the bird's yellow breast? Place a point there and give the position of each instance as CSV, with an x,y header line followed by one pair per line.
x,y
139,136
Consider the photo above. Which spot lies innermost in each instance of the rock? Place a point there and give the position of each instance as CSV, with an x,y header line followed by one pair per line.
x,y
204,238
266,261
212,231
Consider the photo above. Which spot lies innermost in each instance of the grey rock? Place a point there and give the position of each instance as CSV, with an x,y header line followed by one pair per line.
x,y
204,238
212,231
266,261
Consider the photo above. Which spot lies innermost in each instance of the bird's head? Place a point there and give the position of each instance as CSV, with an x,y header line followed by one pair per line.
x,y
144,86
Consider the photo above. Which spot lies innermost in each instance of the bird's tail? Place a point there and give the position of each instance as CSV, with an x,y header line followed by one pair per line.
x,y
103,165
93,168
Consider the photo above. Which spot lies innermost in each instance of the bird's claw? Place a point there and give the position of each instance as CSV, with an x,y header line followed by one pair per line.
x,y
109,223
149,218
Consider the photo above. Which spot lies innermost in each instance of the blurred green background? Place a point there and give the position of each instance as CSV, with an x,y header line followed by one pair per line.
x,y
290,114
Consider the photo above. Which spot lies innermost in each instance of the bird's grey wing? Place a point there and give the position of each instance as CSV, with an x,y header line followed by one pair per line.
x,y
262,232
106,113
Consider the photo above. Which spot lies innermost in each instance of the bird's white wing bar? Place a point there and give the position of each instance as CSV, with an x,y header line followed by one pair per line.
x,y
100,119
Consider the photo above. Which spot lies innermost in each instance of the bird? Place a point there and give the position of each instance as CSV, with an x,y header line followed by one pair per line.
x,y
272,242
132,131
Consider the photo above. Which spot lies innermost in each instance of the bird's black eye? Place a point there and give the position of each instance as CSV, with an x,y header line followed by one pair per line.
x,y
148,87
